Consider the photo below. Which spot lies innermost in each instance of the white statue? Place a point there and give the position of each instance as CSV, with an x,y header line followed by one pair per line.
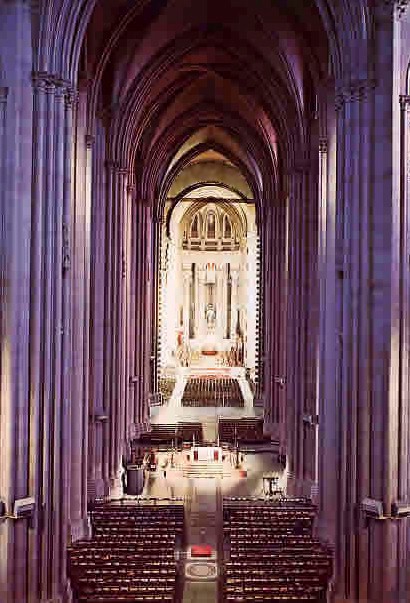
x,y
210,316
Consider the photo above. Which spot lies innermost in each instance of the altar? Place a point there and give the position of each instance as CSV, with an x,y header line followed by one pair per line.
x,y
203,454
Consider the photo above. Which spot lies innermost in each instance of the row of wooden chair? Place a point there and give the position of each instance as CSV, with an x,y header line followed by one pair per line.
x,y
271,553
245,430
166,434
212,392
131,555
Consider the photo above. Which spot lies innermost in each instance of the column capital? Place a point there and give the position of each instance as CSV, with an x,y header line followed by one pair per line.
x,y
40,79
110,164
404,100
60,93
117,167
43,79
71,97
387,8
89,140
354,90
323,145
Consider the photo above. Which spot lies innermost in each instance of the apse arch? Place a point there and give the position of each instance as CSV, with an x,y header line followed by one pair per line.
x,y
210,171
217,184
156,167
180,162
181,331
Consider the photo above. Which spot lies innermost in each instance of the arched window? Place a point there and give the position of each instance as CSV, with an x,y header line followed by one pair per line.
x,y
211,225
194,228
227,228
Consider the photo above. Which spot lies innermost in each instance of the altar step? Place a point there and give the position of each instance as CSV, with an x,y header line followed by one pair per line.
x,y
205,469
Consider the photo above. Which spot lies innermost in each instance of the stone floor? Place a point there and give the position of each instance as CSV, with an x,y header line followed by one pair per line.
x,y
203,505
203,491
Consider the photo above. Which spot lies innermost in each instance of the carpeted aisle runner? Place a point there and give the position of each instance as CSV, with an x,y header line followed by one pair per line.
x,y
202,526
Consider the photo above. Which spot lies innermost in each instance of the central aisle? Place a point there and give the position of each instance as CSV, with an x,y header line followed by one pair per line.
x,y
203,525
202,493
203,484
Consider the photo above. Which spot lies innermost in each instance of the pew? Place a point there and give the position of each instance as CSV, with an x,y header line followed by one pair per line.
x,y
245,430
212,392
130,556
167,433
270,553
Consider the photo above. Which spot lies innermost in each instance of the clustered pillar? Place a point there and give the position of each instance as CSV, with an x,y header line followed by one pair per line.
x,y
301,335
141,296
364,422
274,245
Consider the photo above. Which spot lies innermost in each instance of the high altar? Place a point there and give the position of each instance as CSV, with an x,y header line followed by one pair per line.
x,y
209,297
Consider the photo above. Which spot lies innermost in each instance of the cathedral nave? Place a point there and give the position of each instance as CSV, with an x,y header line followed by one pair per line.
x,y
204,301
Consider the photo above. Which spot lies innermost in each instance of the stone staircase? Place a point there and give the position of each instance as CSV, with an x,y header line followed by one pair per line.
x,y
205,469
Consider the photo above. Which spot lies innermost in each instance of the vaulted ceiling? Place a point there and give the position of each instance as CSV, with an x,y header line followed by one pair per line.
x,y
183,78
176,79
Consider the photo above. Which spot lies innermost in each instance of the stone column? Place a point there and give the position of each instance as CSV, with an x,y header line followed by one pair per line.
x,y
96,483
129,335
372,310
154,229
140,317
80,266
296,325
219,302
66,398
57,489
108,323
402,372
234,303
201,307
150,236
132,322
114,309
40,236
354,305
275,323
15,213
141,311
164,335
187,283
122,340
259,319
269,251
329,337
224,308
252,278
115,390
279,397
39,159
